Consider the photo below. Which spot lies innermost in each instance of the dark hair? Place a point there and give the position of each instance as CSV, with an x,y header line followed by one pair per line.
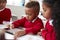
x,y
3,1
55,5
33,4
49,3
56,18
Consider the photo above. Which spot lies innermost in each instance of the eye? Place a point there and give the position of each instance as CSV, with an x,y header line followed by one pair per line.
x,y
44,9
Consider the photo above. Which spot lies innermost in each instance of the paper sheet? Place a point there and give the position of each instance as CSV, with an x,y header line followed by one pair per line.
x,y
30,37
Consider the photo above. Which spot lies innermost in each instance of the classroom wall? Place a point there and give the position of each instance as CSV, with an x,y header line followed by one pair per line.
x,y
16,10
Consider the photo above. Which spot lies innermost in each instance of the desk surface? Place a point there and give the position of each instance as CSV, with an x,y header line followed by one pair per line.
x,y
9,36
26,37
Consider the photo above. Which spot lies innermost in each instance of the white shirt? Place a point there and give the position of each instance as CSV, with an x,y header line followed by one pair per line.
x,y
50,21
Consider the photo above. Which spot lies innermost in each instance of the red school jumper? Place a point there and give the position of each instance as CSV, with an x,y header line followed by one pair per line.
x,y
49,32
5,15
29,26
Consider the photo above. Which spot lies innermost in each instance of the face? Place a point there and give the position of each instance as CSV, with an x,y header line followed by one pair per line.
x,y
46,11
2,5
31,13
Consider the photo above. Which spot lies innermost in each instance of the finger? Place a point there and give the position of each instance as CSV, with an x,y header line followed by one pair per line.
x,y
11,26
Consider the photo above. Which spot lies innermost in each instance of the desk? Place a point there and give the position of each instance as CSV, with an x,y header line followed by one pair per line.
x,y
26,37
9,36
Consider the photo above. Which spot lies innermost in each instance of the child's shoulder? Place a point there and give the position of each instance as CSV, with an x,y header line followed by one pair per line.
x,y
7,9
39,19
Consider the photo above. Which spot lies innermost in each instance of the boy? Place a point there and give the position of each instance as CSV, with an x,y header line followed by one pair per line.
x,y
31,22
5,13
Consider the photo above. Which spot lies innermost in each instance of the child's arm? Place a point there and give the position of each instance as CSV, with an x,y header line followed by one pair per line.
x,y
44,33
31,30
19,22
39,33
19,33
16,24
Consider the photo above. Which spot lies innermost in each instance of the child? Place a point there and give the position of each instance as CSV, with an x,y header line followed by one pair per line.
x,y
5,13
49,32
31,22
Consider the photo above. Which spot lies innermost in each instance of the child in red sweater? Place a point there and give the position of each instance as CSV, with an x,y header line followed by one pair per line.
x,y
49,32
31,22
5,13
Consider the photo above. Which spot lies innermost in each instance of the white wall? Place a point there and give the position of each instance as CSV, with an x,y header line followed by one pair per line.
x,y
19,11
16,10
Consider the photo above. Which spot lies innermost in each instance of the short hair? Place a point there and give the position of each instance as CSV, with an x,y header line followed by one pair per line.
x,y
3,1
33,4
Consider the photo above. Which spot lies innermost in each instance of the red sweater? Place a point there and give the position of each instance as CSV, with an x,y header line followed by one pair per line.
x,y
49,33
5,15
30,27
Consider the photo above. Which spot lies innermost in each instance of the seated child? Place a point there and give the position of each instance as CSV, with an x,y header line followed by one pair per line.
x,y
49,32
31,22
5,13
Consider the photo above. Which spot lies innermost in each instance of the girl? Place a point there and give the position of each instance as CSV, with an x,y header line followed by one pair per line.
x,y
49,32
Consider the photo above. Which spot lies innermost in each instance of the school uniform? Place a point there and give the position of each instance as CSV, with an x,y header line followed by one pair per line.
x,y
49,32
5,15
30,27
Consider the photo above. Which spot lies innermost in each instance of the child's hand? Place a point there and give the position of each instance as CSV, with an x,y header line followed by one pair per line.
x,y
19,33
11,26
39,33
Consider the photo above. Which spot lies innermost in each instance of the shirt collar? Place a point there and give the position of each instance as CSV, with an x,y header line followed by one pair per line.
x,y
50,22
2,9
34,20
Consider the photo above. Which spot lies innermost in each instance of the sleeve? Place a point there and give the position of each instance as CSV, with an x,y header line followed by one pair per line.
x,y
8,15
19,22
44,33
36,28
50,29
